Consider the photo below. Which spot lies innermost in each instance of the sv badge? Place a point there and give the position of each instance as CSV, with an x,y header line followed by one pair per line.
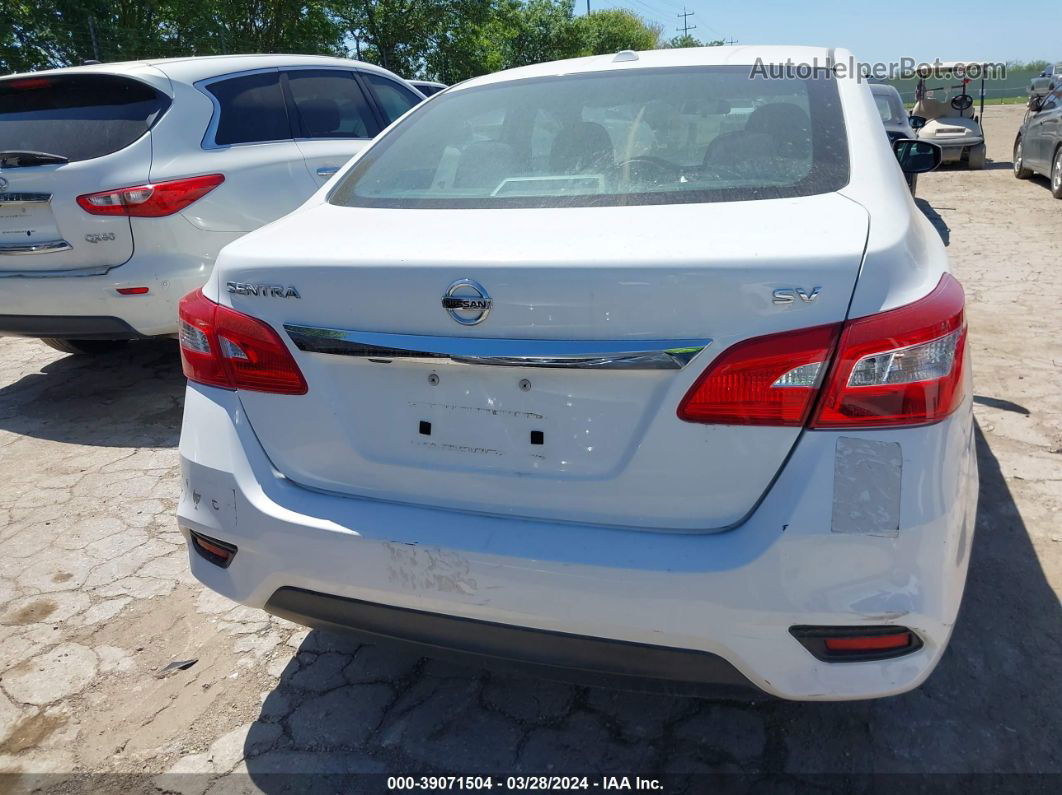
x,y
789,295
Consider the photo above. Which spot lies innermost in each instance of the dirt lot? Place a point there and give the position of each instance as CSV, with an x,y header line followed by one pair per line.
x,y
95,598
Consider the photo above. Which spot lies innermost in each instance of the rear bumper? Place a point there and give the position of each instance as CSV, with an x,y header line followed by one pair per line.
x,y
91,307
172,258
65,327
553,654
731,595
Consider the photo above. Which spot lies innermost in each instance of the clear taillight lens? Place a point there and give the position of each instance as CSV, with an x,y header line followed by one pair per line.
x,y
928,361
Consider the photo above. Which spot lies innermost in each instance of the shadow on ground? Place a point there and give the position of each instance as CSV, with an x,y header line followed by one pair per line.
x,y
935,219
993,704
132,397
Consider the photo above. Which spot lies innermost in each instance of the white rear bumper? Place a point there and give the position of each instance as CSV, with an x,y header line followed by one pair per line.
x,y
171,259
733,594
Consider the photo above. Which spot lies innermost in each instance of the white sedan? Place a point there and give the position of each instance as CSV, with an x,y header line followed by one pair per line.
x,y
643,367
119,183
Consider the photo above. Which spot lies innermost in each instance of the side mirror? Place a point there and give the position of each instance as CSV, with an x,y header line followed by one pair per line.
x,y
916,122
916,157
1035,103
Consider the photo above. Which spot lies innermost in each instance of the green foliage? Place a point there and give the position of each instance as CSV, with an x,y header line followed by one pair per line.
x,y
686,40
450,40
65,32
606,32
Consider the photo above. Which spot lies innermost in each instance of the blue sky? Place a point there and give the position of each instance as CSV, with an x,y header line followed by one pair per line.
x,y
965,30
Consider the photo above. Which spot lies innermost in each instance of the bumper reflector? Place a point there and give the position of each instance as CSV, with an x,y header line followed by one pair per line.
x,y
856,644
217,552
133,290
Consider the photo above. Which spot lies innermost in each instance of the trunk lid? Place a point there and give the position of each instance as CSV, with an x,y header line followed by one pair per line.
x,y
598,443
94,130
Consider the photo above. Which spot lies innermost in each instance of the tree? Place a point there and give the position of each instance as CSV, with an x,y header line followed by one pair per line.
x,y
68,32
686,40
610,31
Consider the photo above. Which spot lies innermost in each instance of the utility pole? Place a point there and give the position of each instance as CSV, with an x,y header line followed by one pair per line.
x,y
95,44
686,26
588,7
731,41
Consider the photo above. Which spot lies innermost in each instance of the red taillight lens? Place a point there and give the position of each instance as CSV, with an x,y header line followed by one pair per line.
x,y
153,200
901,367
226,348
768,380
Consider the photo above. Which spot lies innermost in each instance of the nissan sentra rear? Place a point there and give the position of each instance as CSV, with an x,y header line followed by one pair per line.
x,y
644,368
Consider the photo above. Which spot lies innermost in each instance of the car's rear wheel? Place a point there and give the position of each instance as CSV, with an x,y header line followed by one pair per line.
x,y
1056,174
84,347
976,158
1020,171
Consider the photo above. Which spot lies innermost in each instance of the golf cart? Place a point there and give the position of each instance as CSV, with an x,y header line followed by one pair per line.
x,y
951,121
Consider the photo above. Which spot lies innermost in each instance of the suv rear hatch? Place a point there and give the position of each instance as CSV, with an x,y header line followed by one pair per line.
x,y
62,136
586,444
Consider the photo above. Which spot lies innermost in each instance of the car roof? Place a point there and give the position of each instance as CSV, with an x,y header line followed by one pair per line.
x,y
201,67
742,55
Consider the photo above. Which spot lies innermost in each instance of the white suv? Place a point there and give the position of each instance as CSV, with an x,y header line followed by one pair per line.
x,y
661,388
119,183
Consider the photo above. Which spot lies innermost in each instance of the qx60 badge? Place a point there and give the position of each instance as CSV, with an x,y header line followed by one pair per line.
x,y
467,302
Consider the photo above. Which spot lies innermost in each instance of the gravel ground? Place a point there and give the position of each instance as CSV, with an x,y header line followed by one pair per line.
x,y
95,595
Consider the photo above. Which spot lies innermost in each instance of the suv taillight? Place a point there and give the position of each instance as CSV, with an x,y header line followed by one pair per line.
x,y
225,348
152,200
901,367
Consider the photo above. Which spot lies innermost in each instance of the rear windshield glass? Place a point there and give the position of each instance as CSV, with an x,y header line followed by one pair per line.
x,y
890,107
78,117
645,136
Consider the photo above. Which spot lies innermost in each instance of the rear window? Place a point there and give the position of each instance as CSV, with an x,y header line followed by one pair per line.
x,y
252,109
890,107
394,99
78,117
644,136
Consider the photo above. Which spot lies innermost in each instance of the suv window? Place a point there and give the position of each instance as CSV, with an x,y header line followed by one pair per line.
x,y
76,116
394,99
330,104
252,109
623,137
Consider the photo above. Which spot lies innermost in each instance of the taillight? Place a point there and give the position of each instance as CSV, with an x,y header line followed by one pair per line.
x,y
225,348
153,200
901,367
768,380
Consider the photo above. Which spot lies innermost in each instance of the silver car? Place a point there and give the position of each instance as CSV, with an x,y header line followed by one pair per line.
x,y
895,118
1038,147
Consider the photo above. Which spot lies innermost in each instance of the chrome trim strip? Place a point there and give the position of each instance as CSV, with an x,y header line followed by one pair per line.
x,y
576,354
50,247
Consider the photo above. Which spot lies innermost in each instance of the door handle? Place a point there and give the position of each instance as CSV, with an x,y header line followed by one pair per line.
x,y
327,171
